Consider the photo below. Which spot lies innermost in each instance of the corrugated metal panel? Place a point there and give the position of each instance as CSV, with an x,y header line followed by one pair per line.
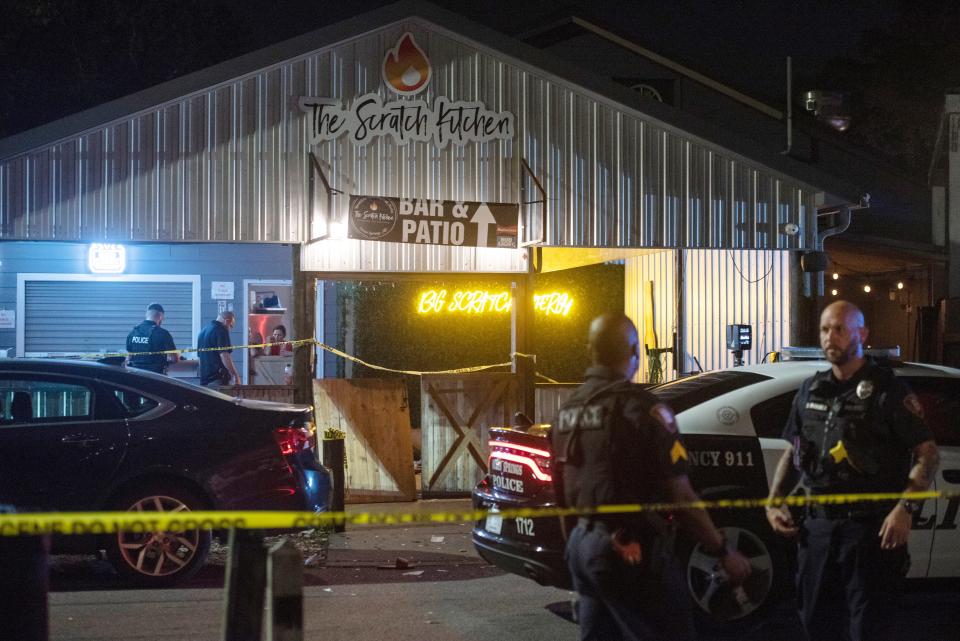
x,y
725,287
660,268
102,313
230,164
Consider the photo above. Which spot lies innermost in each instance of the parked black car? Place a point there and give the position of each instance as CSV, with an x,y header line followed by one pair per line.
x,y
84,436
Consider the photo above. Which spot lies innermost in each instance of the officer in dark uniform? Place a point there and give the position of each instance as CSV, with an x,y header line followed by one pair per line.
x,y
854,428
147,337
616,444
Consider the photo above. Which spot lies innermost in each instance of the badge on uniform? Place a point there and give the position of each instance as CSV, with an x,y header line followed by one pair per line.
x,y
864,389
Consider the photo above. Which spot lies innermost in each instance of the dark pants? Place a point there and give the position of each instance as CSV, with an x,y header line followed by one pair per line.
x,y
617,601
848,587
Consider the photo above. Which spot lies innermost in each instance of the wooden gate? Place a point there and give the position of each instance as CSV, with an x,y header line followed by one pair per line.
x,y
549,398
375,416
457,412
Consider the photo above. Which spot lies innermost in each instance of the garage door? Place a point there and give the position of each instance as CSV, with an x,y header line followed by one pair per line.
x,y
72,317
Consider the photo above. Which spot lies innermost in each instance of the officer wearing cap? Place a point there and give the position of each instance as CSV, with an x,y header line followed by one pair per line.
x,y
616,444
854,428
147,338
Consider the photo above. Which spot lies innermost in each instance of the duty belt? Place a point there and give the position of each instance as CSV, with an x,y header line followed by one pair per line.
x,y
851,511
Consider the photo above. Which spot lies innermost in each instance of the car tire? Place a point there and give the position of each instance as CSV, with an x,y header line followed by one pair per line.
x,y
158,559
719,606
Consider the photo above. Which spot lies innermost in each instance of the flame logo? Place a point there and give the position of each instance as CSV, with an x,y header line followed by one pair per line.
x,y
406,68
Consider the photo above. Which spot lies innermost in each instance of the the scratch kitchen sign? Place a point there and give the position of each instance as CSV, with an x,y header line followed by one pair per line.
x,y
406,70
433,222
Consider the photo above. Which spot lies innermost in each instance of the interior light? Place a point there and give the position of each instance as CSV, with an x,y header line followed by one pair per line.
x,y
867,288
836,276
900,284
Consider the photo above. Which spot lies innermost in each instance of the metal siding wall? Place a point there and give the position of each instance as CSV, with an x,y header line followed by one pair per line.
x,y
95,326
716,295
229,164
660,268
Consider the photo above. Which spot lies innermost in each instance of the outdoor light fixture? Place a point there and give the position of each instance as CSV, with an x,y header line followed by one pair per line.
x,y
338,230
107,258
900,284
867,288
836,276
833,292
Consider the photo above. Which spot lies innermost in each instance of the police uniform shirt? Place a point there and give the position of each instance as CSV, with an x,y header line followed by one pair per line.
x,y
855,435
625,447
215,334
149,337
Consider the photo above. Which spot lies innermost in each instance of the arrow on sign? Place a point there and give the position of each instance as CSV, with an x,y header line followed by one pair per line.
x,y
483,219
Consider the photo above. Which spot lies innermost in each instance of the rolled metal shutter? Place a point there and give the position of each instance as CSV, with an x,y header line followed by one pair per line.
x,y
80,317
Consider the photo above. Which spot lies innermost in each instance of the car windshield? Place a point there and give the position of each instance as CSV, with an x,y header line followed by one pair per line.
x,y
684,393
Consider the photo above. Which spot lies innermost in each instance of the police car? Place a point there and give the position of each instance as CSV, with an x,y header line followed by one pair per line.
x,y
731,421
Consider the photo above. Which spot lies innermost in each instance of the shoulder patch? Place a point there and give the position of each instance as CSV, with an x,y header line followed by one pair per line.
x,y
677,452
664,416
912,403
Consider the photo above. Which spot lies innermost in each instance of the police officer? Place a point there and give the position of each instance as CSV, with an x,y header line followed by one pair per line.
x,y
148,337
613,444
853,428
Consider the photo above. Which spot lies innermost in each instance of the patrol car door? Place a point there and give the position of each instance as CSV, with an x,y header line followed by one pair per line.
x,y
57,450
940,398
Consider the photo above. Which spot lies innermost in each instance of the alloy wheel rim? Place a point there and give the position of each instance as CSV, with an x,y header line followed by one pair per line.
x,y
158,554
707,582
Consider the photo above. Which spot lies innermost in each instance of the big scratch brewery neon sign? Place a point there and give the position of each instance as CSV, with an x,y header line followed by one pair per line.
x,y
478,301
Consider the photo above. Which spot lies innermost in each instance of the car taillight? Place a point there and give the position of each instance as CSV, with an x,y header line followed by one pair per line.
x,y
294,439
535,459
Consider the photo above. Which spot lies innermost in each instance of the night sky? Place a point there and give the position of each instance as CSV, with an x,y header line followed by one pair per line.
x,y
58,57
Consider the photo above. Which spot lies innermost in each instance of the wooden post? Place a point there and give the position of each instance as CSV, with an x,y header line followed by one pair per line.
x,y
304,323
333,457
523,366
284,593
246,576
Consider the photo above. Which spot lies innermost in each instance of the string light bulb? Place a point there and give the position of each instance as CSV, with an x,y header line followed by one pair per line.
x,y
900,284
833,292
867,289
836,276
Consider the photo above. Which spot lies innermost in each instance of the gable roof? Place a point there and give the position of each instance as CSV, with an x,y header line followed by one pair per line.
x,y
525,55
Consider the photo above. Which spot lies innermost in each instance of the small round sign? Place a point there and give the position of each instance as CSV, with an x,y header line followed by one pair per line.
x,y
372,217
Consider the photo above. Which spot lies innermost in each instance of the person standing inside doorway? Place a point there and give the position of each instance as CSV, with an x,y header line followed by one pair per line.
x,y
216,360
278,345
147,338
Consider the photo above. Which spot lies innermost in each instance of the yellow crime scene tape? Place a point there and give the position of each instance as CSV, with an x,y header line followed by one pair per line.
x,y
108,522
300,343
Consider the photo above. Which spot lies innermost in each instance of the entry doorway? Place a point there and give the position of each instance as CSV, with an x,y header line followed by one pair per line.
x,y
267,304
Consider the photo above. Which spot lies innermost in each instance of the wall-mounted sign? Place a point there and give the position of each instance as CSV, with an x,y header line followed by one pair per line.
x,y
479,301
221,290
107,258
433,222
8,319
459,122
406,68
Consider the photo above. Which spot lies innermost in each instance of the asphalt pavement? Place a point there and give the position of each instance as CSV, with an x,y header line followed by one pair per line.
x,y
395,583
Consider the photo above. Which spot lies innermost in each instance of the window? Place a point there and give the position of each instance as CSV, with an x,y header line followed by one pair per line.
x,y
684,393
133,403
33,401
940,398
770,417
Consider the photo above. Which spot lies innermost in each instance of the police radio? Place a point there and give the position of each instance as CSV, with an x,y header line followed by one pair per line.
x,y
739,339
